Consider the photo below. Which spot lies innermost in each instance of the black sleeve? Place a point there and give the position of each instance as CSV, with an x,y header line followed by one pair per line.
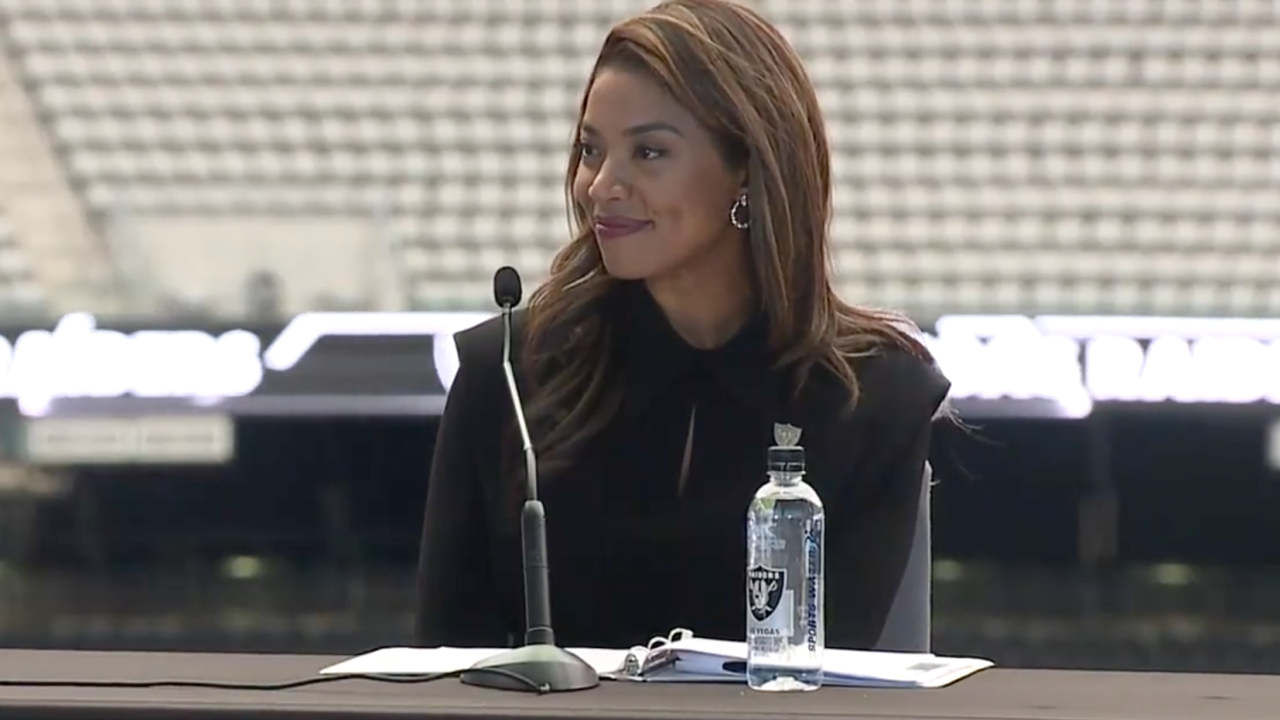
x,y
457,602
870,534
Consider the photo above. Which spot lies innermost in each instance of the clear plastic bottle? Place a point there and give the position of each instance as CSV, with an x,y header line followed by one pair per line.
x,y
785,623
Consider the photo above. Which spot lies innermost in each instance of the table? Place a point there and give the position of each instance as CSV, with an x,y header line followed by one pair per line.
x,y
991,695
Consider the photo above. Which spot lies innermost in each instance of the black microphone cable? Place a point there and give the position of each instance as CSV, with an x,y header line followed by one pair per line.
x,y
285,685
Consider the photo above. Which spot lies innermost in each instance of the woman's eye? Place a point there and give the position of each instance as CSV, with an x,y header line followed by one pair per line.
x,y
648,153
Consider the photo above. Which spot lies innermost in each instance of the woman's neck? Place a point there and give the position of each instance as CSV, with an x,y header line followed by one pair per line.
x,y
706,312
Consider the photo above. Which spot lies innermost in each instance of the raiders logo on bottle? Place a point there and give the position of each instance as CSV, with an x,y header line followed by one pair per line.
x,y
786,434
764,591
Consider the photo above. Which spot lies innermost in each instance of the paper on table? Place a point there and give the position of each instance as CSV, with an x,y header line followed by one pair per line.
x,y
410,661
708,660
700,660
430,661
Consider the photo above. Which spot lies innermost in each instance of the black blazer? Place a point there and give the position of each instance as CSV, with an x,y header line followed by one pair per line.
x,y
631,556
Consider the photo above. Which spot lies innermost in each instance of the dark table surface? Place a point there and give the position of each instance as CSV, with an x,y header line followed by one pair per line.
x,y
991,695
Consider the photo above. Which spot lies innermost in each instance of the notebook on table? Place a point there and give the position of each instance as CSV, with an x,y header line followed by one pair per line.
x,y
682,657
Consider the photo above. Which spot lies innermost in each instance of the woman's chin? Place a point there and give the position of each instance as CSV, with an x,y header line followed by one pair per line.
x,y
624,268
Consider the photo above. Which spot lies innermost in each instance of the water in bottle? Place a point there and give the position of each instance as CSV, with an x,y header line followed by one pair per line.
x,y
785,575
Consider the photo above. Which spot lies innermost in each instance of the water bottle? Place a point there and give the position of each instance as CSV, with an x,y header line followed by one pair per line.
x,y
785,633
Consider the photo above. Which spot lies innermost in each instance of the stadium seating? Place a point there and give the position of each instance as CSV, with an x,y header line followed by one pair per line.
x,y
20,292
992,155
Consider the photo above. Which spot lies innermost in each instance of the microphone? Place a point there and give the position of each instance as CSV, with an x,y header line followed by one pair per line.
x,y
539,666
507,293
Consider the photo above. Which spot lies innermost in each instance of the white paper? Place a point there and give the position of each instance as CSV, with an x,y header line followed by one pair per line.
x,y
410,661
430,661
704,660
700,660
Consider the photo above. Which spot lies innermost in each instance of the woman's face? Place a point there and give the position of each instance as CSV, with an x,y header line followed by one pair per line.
x,y
653,180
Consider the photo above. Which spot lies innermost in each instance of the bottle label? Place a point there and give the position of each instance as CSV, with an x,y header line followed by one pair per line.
x,y
769,602
813,630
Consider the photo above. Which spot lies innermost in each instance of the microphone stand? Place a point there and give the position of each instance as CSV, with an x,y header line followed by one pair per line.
x,y
540,666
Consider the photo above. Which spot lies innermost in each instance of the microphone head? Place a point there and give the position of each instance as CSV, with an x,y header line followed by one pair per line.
x,y
507,290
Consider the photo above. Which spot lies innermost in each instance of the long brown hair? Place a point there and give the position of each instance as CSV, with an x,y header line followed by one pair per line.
x,y
744,82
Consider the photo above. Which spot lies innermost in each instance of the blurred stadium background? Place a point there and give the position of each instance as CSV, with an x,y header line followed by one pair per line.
x,y
275,213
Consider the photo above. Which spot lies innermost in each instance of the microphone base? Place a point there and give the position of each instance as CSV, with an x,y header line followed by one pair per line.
x,y
534,669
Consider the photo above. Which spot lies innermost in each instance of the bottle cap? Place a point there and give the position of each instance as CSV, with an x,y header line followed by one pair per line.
x,y
786,458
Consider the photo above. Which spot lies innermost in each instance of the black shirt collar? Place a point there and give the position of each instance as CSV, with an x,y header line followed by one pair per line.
x,y
656,357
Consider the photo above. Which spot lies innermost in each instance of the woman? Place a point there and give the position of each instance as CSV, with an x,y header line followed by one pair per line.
x,y
692,311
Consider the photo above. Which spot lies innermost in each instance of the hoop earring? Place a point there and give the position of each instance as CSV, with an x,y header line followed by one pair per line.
x,y
740,213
